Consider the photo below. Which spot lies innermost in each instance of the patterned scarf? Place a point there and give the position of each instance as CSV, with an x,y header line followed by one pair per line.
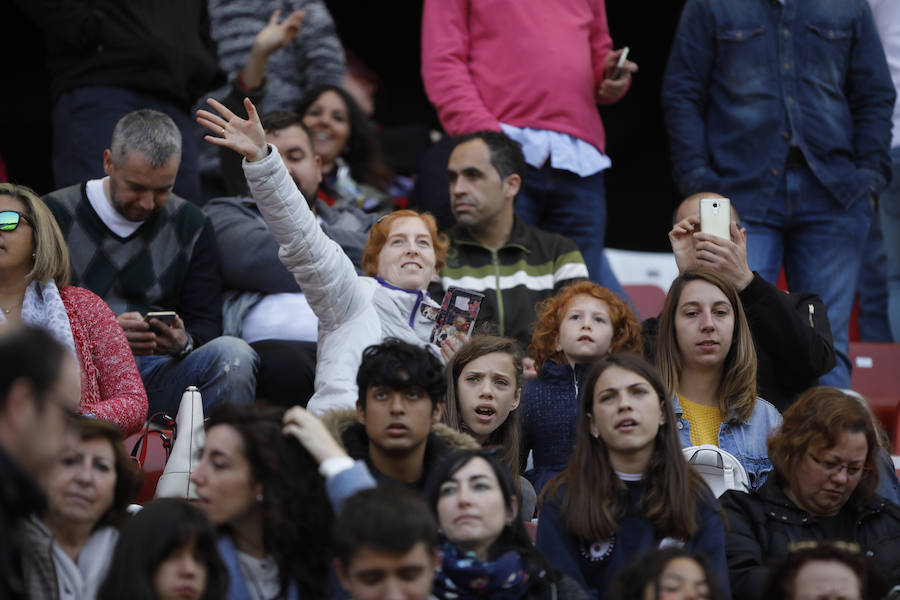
x,y
464,577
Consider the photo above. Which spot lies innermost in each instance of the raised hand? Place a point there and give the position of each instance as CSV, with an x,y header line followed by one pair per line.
x,y
244,136
683,245
277,35
727,257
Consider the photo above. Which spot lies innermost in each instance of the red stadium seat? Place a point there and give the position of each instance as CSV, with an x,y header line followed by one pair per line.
x,y
876,376
648,298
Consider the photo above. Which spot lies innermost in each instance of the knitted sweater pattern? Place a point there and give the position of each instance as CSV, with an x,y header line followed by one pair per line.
x,y
111,387
150,269
549,416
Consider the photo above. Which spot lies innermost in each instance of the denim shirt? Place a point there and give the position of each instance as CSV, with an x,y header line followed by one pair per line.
x,y
746,441
747,79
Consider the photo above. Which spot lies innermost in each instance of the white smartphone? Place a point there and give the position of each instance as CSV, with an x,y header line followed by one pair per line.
x,y
621,62
715,216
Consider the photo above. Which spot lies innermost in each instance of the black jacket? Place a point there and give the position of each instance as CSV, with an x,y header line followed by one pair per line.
x,y
19,497
762,524
157,47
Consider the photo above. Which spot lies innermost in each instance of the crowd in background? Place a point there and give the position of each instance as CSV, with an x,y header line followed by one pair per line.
x,y
420,375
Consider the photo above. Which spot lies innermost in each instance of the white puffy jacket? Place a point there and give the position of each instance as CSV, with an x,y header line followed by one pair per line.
x,y
354,312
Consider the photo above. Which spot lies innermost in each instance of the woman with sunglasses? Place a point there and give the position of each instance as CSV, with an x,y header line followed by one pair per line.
x,y
34,273
822,488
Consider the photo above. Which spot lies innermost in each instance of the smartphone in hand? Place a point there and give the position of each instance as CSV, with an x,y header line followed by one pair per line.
x,y
715,216
621,62
166,316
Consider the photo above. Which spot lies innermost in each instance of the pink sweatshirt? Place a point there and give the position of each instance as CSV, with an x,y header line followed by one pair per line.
x,y
527,63
111,387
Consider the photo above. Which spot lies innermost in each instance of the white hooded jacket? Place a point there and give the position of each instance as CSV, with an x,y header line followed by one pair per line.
x,y
354,312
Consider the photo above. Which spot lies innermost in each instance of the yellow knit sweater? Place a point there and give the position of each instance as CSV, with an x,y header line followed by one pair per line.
x,y
704,421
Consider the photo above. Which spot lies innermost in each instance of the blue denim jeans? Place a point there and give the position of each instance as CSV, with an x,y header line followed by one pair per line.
x,y
820,244
871,288
560,201
889,211
224,369
83,123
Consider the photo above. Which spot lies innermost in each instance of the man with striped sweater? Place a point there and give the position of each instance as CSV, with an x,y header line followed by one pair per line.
x,y
492,250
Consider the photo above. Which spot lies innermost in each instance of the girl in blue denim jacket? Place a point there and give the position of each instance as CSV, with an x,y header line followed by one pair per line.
x,y
707,360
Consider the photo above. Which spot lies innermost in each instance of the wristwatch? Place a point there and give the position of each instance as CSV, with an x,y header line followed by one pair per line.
x,y
188,348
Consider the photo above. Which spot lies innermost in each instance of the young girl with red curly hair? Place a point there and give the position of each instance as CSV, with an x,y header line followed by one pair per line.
x,y
579,325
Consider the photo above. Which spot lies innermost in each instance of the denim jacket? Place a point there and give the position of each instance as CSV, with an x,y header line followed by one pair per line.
x,y
746,441
748,79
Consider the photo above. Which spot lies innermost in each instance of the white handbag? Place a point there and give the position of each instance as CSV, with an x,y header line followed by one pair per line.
x,y
720,469
190,437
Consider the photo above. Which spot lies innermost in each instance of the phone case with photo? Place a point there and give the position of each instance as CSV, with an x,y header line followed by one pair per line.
x,y
458,313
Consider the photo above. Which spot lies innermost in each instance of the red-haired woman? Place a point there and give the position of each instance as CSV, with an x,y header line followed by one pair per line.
x,y
576,327
403,254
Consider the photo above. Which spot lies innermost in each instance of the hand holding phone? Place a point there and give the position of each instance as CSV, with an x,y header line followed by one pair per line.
x,y
166,316
621,62
715,217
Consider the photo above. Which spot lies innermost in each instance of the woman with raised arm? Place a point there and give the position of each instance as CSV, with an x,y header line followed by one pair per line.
x,y
402,256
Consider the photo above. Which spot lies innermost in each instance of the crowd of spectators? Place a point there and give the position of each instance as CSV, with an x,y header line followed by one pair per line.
x,y
467,406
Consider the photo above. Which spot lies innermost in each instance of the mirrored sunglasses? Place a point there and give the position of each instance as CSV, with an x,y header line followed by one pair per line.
x,y
10,219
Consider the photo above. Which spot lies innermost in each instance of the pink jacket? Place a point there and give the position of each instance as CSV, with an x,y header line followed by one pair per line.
x,y
111,387
528,63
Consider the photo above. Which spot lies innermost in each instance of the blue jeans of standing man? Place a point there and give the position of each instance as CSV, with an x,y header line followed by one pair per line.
x,y
889,211
871,290
820,244
563,202
224,369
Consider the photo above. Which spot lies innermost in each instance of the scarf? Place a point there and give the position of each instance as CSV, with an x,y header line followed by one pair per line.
x,y
463,577
43,307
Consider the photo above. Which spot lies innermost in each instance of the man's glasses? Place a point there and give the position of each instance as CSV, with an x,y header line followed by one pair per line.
x,y
834,468
10,219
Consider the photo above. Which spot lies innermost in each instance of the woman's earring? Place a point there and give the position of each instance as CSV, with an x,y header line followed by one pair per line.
x,y
259,497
